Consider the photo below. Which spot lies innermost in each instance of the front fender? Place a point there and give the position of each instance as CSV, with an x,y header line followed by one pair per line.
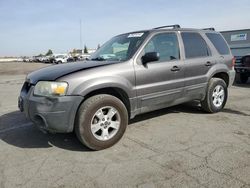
x,y
105,82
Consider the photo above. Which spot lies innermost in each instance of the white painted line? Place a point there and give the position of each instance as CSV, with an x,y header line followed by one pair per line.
x,y
13,128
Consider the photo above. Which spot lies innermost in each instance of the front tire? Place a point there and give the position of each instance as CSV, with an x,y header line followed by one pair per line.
x,y
101,121
216,96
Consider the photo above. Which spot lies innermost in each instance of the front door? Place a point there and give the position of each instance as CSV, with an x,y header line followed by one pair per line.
x,y
160,83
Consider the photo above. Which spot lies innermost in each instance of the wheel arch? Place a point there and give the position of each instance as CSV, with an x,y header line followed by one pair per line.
x,y
114,91
120,93
222,75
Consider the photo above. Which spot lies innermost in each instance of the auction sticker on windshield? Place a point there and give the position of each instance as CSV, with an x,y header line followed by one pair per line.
x,y
135,35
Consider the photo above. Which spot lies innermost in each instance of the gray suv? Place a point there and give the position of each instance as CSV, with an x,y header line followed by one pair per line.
x,y
131,74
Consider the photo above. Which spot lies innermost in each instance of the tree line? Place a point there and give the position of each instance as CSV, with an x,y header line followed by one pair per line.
x,y
85,50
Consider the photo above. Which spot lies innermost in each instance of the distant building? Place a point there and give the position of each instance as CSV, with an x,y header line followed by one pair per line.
x,y
238,40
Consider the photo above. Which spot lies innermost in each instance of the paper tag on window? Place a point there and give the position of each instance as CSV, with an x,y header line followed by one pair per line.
x,y
131,35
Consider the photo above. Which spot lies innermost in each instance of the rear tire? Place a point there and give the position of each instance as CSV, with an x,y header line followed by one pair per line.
x,y
216,96
101,121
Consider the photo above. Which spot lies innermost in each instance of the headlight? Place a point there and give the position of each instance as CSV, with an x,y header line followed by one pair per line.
x,y
46,88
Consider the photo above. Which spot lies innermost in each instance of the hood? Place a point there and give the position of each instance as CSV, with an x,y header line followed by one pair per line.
x,y
54,72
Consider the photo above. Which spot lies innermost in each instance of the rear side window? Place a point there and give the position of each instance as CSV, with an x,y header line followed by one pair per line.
x,y
194,45
219,43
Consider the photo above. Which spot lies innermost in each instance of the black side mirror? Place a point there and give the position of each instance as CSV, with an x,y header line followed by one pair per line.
x,y
150,57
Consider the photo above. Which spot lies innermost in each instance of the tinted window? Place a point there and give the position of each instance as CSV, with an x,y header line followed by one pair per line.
x,y
219,43
194,45
166,45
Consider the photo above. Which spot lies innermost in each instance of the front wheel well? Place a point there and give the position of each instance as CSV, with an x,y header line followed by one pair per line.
x,y
222,75
117,92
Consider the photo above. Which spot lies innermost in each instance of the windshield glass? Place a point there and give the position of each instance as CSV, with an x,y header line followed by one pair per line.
x,y
120,48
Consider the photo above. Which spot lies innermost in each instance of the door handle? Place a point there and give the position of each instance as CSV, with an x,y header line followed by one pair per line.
x,y
175,69
208,64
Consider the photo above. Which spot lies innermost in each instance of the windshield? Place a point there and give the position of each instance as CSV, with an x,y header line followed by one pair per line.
x,y
120,48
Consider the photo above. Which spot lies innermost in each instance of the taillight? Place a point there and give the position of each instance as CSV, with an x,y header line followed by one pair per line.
x,y
233,62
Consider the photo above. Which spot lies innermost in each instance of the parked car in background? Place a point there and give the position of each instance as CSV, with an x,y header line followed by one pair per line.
x,y
35,59
47,59
84,57
242,68
25,59
41,59
71,59
131,74
19,59
32,59
61,58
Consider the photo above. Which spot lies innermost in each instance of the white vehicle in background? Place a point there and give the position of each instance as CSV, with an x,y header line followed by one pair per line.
x,y
61,58
19,59
41,59
26,59
84,57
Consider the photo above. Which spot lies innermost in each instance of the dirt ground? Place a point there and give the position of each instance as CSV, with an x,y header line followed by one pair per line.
x,y
179,146
14,68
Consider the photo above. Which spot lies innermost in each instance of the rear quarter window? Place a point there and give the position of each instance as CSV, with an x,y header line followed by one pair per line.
x,y
219,43
194,45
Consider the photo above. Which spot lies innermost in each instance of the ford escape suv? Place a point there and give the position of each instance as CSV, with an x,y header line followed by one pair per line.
x,y
131,74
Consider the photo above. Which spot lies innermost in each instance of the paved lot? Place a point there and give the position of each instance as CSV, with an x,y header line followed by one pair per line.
x,y
175,147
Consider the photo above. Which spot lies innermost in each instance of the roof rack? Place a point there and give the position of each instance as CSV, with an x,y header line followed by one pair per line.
x,y
210,28
166,26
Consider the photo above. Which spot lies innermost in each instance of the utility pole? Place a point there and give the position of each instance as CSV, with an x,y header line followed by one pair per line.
x,y
81,34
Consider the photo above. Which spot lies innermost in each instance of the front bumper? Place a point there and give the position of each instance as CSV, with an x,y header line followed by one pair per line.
x,y
54,114
231,74
242,70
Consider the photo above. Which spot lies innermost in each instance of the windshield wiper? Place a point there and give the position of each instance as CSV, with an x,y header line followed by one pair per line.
x,y
98,59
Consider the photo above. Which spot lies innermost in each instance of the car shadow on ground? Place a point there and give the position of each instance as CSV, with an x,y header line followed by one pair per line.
x,y
16,130
190,107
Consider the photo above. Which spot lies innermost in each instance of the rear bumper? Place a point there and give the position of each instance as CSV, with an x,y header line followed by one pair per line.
x,y
55,114
231,74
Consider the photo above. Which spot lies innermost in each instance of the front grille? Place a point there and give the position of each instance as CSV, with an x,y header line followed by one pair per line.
x,y
238,61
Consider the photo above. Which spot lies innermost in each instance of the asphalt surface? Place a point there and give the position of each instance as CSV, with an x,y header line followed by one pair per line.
x,y
175,147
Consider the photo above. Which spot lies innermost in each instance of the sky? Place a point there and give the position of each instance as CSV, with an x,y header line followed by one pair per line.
x,y
31,27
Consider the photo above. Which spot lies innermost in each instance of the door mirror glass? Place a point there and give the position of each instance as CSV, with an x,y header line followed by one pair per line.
x,y
150,57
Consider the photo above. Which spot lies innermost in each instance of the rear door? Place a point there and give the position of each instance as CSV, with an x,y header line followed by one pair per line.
x,y
198,61
160,83
221,46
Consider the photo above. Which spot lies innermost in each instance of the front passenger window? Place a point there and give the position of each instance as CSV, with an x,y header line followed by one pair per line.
x,y
166,44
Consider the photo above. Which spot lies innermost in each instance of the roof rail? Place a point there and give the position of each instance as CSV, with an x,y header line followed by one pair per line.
x,y
166,26
210,28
